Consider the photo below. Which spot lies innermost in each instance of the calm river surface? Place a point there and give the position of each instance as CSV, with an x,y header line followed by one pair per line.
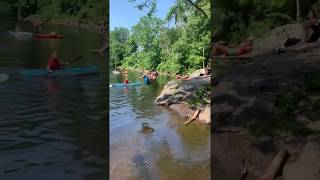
x,y
172,151
52,128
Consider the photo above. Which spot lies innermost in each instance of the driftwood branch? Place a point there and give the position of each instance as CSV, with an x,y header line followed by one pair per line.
x,y
197,7
276,166
194,117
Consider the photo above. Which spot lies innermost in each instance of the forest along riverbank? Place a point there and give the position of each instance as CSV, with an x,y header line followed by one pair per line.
x,y
268,108
170,151
90,15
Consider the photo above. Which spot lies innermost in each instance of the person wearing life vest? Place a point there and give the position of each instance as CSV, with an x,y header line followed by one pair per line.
x,y
126,81
54,63
146,78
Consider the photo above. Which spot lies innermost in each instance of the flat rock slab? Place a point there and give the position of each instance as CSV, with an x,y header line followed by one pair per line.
x,y
307,165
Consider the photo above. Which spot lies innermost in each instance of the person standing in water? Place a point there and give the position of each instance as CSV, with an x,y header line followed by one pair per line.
x,y
153,75
146,78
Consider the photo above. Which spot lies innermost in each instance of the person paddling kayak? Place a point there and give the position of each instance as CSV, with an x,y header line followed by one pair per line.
x,y
18,28
126,81
54,63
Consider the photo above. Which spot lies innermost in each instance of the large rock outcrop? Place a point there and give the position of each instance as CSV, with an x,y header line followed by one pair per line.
x,y
176,94
244,95
177,91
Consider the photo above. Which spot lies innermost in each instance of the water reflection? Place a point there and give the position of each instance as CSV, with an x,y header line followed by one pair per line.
x,y
56,127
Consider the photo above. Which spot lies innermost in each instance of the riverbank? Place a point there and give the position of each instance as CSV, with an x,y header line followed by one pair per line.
x,y
190,98
91,26
185,97
267,105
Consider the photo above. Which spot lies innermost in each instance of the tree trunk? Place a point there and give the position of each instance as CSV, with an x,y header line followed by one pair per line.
x,y
298,10
19,13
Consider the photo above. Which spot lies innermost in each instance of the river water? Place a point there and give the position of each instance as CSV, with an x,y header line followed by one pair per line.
x,y
52,128
171,151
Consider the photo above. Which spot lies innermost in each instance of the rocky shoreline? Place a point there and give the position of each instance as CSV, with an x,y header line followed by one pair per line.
x,y
177,95
262,107
90,26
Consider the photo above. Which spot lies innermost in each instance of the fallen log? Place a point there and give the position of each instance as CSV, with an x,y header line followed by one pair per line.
x,y
194,117
276,166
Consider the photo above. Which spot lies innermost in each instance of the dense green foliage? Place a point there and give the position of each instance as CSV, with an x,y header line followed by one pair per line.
x,y
234,20
77,10
152,44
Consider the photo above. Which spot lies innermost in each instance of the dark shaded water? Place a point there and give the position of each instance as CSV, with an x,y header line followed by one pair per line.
x,y
52,128
172,151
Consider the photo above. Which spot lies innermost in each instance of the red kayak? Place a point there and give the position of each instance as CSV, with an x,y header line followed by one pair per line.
x,y
48,36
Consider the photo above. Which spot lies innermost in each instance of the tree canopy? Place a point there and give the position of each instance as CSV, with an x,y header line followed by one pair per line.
x,y
78,10
153,44
234,20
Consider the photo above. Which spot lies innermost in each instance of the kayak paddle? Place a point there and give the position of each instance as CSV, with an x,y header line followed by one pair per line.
x,y
74,60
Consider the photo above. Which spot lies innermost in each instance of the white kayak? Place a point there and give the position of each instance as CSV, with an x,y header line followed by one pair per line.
x,y
3,77
21,34
115,72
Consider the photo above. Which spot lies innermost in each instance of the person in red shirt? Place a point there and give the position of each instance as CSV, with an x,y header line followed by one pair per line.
x,y
126,81
54,63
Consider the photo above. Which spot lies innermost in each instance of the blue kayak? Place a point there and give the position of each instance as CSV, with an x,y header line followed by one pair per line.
x,y
121,85
21,34
63,72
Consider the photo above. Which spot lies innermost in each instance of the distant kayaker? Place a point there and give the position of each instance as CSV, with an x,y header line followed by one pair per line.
x,y
17,29
53,33
54,63
126,81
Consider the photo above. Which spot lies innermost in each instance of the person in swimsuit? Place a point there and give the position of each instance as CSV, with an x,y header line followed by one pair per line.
x,y
311,24
243,48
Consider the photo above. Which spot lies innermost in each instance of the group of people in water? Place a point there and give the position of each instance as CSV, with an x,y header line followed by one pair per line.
x,y
310,39
148,77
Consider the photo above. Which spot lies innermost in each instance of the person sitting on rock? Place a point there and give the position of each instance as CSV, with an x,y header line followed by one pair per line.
x,y
185,77
231,50
311,24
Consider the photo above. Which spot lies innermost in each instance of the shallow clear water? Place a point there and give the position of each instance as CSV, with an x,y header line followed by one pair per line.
x,y
52,128
171,151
